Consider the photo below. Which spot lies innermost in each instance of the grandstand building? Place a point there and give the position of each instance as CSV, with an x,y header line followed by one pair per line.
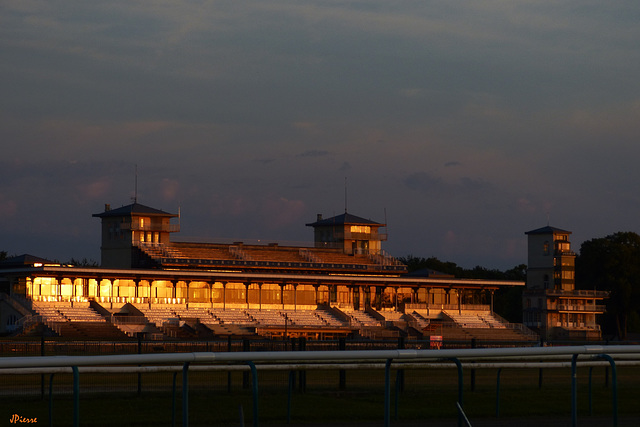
x,y
150,283
551,303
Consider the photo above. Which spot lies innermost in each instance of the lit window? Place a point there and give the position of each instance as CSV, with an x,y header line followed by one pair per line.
x,y
360,229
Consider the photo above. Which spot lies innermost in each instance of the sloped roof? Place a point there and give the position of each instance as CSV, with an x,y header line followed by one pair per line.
x,y
548,230
344,219
24,260
133,209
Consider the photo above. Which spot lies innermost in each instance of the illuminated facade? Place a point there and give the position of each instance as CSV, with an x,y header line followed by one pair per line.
x,y
346,271
551,303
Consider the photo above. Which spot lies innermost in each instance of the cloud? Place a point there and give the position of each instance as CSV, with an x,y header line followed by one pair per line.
x,y
8,208
314,153
344,167
248,114
424,183
280,212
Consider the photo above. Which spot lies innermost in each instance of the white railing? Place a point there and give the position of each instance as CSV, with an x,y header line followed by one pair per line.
x,y
320,356
295,360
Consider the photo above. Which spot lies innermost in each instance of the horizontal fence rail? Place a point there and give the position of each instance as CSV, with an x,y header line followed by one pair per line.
x,y
288,356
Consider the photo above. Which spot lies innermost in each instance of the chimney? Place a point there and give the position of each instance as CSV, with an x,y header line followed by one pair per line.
x,y
319,217
107,207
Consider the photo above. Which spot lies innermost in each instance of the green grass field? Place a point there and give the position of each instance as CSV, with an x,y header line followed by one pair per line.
x,y
215,398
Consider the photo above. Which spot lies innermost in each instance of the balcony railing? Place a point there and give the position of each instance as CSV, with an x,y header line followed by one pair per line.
x,y
168,228
577,293
598,308
348,235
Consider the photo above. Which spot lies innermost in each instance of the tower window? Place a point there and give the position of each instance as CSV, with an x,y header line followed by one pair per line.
x,y
545,248
360,229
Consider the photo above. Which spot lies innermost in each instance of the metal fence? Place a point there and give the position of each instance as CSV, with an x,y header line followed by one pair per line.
x,y
303,361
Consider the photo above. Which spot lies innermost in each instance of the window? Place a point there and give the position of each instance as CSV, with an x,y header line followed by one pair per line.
x,y
360,229
545,248
145,223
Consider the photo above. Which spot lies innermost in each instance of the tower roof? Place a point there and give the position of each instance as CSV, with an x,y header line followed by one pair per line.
x,y
344,219
133,209
548,230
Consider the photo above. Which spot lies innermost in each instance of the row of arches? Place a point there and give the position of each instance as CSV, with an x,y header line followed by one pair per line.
x,y
232,293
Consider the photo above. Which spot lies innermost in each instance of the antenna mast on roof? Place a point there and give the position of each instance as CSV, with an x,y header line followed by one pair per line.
x,y
345,194
135,188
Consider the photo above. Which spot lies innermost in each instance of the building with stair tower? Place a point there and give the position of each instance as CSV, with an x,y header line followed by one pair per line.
x,y
551,303
127,229
352,234
341,284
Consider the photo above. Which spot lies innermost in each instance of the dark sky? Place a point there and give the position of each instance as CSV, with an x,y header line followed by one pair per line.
x,y
462,124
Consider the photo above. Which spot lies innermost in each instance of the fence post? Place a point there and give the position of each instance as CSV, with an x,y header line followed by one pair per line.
x,y
173,401
302,375
574,391
614,385
246,347
473,371
185,394
229,347
460,389
254,375
400,372
139,373
50,400
342,346
498,392
292,377
387,393
42,375
76,396
540,378
590,391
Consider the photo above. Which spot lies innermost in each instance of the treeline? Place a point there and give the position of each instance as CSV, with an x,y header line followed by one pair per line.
x,y
413,263
612,264
507,302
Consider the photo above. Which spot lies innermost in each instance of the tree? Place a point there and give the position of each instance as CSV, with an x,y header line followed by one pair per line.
x,y
507,301
612,263
84,262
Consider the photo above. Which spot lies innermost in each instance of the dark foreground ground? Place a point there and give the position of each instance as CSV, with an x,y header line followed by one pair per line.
x,y
506,422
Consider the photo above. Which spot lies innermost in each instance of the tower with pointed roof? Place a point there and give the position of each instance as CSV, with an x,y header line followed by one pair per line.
x,y
352,234
130,227
551,303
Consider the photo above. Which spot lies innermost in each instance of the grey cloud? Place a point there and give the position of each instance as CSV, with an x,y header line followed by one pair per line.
x,y
527,97
314,153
